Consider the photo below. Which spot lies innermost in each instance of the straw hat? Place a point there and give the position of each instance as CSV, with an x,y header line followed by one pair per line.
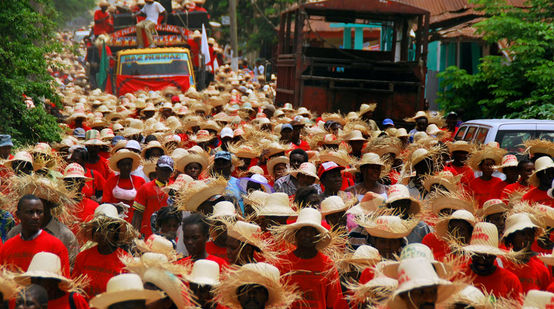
x,y
419,155
196,192
471,296
451,200
354,135
125,287
302,111
365,256
152,145
508,161
75,170
106,214
200,157
307,217
44,265
399,192
370,202
202,136
340,157
244,151
8,286
276,160
415,251
333,204
204,272
280,294
306,168
493,206
170,284
124,154
488,152
518,222
53,190
275,204
21,156
370,158
223,209
539,146
93,138
419,114
275,148
441,227
542,164
484,240
106,134
364,108
443,178
247,233
156,244
256,198
417,273
391,227
254,169
545,214
179,183
536,299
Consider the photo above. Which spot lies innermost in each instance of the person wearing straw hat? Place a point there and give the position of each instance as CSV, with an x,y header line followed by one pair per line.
x,y
538,148
166,222
203,278
333,209
123,187
278,167
74,178
224,212
288,183
421,120
404,205
485,273
102,262
193,163
125,291
255,286
313,272
273,211
366,114
94,185
525,169
151,10
485,161
494,211
94,144
385,233
45,270
32,296
509,168
296,142
519,235
150,197
21,163
359,265
542,179
244,243
254,183
459,151
370,167
196,233
419,286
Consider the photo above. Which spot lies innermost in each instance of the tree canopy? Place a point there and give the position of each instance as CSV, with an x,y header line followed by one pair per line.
x,y
517,84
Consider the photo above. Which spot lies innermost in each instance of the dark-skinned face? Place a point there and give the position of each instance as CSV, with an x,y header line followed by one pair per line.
x,y
279,170
424,167
460,229
498,219
304,180
512,174
74,184
5,152
194,239
307,237
356,146
336,219
487,167
388,247
546,177
371,172
332,180
421,123
526,170
239,253
203,294
31,215
22,168
193,169
252,296
125,167
401,207
460,157
296,160
523,239
51,286
28,301
420,298
163,174
483,262
153,153
169,228
222,167
286,135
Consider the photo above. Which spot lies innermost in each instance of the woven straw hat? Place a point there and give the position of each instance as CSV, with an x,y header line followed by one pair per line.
x,y
340,157
545,214
333,204
493,206
399,192
542,164
169,284
280,295
365,107
364,254
391,227
459,146
247,233
539,146
22,156
200,157
179,182
202,136
152,145
488,152
471,296
455,201
124,154
518,222
508,161
417,273
8,286
443,178
370,158
224,209
419,155
275,204
44,265
484,240
256,198
354,135
196,192
370,202
415,251
441,227
536,299
156,244
125,287
306,168
276,160
308,217
204,272
75,170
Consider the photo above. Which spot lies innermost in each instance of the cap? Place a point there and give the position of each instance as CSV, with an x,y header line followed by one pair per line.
x,y
175,99
223,155
327,166
79,133
286,126
388,121
226,132
165,161
116,139
133,145
5,140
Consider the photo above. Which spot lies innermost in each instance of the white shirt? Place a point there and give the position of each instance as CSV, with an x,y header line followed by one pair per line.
x,y
152,11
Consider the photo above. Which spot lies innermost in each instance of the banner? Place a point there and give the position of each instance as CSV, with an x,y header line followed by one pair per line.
x,y
130,83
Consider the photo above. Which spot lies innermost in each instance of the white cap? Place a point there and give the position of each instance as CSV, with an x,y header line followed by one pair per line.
x,y
133,145
226,132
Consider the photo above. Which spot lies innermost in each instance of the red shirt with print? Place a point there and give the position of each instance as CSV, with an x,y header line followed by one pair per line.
x,y
483,190
538,196
501,283
150,198
532,275
95,184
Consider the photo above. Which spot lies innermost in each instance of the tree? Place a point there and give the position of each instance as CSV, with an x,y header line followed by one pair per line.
x,y
26,36
71,9
518,84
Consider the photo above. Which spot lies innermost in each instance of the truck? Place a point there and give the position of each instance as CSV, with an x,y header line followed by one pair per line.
x,y
335,55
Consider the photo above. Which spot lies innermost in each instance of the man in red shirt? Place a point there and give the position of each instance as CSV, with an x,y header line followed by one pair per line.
x,y
542,179
482,187
74,178
525,169
150,197
460,151
296,141
18,251
102,20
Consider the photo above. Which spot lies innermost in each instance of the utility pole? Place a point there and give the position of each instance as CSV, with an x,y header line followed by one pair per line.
x,y
234,34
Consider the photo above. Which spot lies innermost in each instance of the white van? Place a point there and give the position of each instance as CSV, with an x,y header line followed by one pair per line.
x,y
509,133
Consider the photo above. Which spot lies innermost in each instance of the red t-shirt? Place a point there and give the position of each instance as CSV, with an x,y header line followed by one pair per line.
x,y
501,283
63,302
150,198
533,275
104,26
538,196
466,171
483,190
19,253
220,252
85,209
438,246
126,184
317,278
222,263
95,184
500,187
367,275
102,166
98,268
303,145
514,187
550,288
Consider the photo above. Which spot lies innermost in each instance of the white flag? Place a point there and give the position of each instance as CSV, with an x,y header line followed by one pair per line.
x,y
204,48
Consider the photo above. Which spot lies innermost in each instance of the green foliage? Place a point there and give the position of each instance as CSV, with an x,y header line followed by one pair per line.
x,y
26,35
522,87
69,9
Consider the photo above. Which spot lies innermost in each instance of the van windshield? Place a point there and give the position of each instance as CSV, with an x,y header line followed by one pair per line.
x,y
513,140
155,64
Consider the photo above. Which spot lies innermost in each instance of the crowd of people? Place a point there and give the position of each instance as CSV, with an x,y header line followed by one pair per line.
x,y
221,199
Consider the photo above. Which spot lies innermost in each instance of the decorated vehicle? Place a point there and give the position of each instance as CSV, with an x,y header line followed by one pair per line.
x,y
153,69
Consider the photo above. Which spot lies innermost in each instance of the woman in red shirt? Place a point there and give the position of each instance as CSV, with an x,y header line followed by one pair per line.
x,y
484,160
94,185
542,179
525,169
123,187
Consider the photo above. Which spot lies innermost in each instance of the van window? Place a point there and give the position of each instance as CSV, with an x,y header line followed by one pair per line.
x,y
470,134
512,140
546,135
481,135
460,133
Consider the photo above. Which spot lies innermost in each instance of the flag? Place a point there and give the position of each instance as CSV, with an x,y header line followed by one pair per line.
x,y
216,65
102,75
204,48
